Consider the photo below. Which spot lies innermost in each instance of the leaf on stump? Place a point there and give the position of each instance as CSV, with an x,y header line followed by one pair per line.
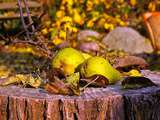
x,y
137,82
60,87
73,79
100,82
51,73
24,79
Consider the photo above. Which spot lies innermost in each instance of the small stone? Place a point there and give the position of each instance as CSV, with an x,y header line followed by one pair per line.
x,y
88,35
89,47
127,39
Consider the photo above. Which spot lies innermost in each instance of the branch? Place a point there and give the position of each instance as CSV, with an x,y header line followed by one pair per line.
x,y
28,14
22,19
36,44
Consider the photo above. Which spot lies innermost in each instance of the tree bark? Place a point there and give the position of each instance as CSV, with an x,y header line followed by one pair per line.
x,y
110,103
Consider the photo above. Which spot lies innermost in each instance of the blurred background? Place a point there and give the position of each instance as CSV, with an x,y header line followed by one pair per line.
x,y
64,17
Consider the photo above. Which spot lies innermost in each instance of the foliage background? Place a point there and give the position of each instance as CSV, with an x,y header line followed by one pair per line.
x,y
69,16
66,17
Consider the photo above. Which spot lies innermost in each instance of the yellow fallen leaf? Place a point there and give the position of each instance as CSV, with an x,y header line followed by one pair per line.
x,y
24,79
4,71
134,73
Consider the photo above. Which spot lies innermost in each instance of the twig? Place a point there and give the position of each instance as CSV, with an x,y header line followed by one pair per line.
x,y
28,14
2,37
22,19
37,44
82,89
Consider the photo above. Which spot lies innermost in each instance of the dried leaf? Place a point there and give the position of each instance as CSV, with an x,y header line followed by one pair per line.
x,y
136,82
51,73
59,87
32,81
129,61
12,80
73,79
100,82
24,79
4,71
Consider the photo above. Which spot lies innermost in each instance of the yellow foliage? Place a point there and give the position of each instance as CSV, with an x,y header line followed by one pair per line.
x,y
44,31
4,71
90,23
133,2
89,5
60,14
152,6
57,40
108,26
105,15
77,18
62,34
66,19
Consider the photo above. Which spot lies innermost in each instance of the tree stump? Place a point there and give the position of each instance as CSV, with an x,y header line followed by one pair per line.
x,y
110,103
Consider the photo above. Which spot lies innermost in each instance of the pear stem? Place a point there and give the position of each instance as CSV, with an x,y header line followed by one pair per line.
x,y
83,88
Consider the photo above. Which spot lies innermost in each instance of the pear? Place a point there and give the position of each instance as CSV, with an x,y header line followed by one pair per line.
x,y
67,60
99,66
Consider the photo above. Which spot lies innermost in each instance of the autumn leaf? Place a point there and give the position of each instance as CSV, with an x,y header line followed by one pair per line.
x,y
96,81
73,79
24,79
60,87
136,82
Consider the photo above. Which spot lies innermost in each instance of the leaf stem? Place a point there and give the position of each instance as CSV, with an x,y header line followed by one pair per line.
x,y
83,88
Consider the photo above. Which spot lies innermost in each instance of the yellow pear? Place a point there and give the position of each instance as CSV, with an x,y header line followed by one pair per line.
x,y
67,59
99,66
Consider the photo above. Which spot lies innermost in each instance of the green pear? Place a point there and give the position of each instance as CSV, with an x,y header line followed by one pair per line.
x,y
99,66
67,60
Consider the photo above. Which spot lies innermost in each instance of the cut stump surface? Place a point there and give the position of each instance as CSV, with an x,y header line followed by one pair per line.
x,y
110,103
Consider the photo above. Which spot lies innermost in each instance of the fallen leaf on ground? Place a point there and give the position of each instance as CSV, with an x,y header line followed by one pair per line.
x,y
129,62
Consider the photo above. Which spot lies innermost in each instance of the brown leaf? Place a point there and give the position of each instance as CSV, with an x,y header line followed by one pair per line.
x,y
51,73
59,87
129,61
100,82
